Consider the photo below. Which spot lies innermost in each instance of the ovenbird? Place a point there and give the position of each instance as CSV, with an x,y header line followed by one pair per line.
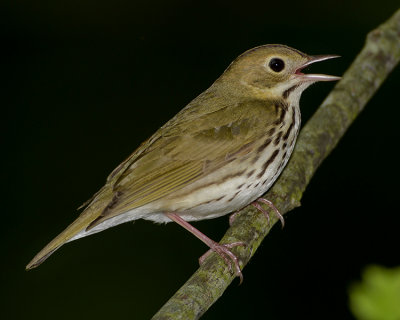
x,y
217,155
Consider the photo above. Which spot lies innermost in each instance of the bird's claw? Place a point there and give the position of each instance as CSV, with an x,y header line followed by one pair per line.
x,y
265,212
223,250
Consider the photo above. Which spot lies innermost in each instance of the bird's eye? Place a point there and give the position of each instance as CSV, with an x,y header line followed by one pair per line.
x,y
276,64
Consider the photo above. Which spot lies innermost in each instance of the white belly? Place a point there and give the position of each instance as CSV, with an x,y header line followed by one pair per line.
x,y
215,199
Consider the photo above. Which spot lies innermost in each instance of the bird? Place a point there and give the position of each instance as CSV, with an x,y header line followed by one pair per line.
x,y
220,153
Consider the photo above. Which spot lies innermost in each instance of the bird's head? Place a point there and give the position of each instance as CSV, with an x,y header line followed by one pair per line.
x,y
275,71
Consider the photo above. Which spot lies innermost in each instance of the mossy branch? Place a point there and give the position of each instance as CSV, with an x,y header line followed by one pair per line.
x,y
317,139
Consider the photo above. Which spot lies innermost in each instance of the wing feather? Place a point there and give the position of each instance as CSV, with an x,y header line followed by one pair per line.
x,y
182,152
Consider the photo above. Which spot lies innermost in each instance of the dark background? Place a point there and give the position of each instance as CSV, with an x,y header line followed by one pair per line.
x,y
84,82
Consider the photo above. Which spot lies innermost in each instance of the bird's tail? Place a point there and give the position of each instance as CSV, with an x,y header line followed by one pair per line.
x,y
73,229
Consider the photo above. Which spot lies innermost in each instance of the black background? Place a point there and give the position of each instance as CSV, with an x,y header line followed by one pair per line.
x,y
84,82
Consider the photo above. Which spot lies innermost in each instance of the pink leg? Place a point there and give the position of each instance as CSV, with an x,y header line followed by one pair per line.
x,y
266,213
221,249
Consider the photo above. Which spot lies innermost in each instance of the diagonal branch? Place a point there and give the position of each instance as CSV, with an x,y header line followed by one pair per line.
x,y
317,139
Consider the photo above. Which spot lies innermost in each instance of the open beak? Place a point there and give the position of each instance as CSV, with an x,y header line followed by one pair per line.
x,y
316,77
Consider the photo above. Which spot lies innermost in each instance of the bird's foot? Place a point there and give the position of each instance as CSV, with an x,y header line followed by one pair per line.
x,y
223,250
257,205
232,217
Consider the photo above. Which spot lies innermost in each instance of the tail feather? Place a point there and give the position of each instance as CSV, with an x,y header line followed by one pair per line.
x,y
81,223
